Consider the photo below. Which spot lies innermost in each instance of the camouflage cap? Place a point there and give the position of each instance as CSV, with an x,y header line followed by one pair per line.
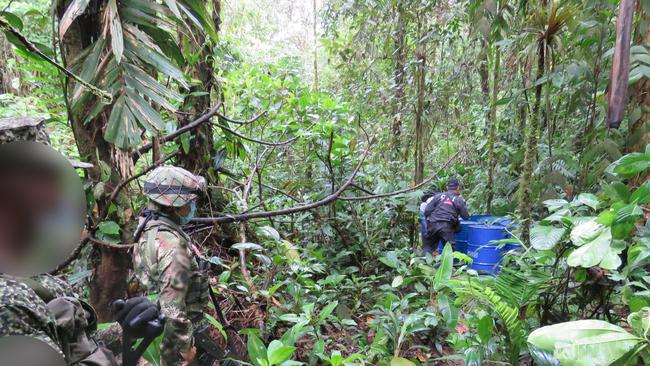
x,y
173,186
29,128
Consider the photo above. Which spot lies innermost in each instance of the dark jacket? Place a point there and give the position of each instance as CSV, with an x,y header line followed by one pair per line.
x,y
446,207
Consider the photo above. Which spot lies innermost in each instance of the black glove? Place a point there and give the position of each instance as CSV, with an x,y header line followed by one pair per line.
x,y
139,317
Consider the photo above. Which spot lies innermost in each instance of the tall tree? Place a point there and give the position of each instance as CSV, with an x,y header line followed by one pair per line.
x,y
118,46
399,60
548,22
198,158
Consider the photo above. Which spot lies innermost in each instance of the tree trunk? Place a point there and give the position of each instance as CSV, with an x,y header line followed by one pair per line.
x,y
640,92
420,74
199,157
398,77
493,129
108,282
530,156
316,86
485,80
6,73
419,111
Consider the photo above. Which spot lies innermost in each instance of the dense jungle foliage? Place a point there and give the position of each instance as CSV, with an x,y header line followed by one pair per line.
x,y
320,124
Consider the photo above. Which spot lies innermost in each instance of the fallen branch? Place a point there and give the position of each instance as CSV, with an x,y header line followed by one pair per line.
x,y
405,190
254,215
192,125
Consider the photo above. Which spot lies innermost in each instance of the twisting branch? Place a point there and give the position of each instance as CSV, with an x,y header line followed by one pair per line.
x,y
405,190
242,226
266,143
192,125
254,215
105,96
362,189
246,122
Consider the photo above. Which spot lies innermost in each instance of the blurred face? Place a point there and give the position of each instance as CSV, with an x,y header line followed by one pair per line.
x,y
42,208
27,193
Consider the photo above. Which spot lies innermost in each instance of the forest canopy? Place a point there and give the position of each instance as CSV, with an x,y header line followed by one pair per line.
x,y
322,128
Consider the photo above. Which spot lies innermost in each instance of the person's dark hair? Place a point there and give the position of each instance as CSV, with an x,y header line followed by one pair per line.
x,y
428,194
452,183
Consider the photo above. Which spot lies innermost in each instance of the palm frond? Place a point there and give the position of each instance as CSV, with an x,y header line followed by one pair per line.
x,y
135,49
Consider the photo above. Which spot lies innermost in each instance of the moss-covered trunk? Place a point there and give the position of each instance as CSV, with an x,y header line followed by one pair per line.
x,y
198,158
493,129
525,182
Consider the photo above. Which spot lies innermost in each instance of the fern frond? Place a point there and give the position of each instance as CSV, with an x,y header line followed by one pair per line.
x,y
519,288
514,331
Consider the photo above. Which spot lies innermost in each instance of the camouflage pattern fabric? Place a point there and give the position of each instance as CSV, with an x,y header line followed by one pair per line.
x,y
44,307
172,186
23,312
23,129
164,265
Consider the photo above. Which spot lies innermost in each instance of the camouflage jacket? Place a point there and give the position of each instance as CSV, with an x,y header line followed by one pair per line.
x,y
45,308
164,265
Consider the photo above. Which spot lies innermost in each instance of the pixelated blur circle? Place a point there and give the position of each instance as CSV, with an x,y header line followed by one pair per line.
x,y
42,208
27,351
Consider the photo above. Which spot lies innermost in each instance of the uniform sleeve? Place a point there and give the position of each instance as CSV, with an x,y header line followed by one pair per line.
x,y
22,312
175,263
462,208
74,322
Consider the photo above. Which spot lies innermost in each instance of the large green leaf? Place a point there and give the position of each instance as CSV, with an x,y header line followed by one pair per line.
x,y
641,195
586,199
555,204
586,232
640,321
545,237
399,361
443,273
617,191
584,342
257,351
597,251
278,352
630,165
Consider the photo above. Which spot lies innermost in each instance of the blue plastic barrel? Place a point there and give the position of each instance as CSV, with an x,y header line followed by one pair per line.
x,y
512,246
491,220
461,237
480,247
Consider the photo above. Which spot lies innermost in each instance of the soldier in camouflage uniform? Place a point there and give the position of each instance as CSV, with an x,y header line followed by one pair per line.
x,y
164,263
45,307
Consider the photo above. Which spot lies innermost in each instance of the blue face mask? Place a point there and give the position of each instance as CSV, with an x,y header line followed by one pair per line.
x,y
186,219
